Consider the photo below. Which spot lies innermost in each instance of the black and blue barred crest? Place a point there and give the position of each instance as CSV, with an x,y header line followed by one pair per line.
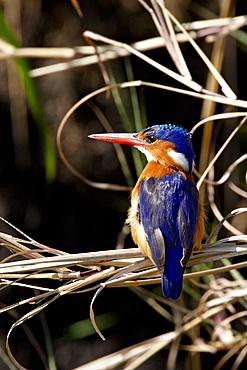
x,y
163,130
177,135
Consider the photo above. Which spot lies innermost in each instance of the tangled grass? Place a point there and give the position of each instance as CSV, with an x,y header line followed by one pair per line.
x,y
222,299
129,268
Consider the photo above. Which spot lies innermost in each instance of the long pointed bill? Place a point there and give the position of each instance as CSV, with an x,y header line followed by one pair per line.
x,y
130,139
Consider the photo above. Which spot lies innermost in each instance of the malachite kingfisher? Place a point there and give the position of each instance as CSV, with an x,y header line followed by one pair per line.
x,y
166,216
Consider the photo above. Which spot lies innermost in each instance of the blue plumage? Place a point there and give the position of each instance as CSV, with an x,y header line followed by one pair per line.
x,y
169,205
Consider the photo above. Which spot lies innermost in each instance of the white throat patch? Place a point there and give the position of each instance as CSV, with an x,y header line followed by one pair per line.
x,y
145,151
179,158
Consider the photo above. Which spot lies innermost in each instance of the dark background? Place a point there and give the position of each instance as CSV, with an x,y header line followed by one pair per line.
x,y
67,214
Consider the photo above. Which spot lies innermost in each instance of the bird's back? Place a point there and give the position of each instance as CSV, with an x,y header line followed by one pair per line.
x,y
166,215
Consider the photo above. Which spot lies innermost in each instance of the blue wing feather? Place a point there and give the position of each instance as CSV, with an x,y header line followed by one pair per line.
x,y
168,212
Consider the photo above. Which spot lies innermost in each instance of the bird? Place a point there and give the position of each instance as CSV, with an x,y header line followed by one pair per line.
x,y
166,216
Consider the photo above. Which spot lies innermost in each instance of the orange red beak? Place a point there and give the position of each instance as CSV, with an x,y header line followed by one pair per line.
x,y
129,139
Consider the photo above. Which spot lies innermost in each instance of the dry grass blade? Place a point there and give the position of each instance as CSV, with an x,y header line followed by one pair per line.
x,y
218,227
226,175
138,360
220,151
132,354
103,186
110,53
182,66
128,267
211,97
240,358
120,258
165,29
212,84
117,359
77,7
219,22
122,273
96,37
236,189
19,322
219,216
225,87
220,116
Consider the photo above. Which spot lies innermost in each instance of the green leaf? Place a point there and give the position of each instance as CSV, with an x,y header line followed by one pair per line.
x,y
34,103
84,328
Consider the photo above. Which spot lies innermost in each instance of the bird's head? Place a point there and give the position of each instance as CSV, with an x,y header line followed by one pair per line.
x,y
167,144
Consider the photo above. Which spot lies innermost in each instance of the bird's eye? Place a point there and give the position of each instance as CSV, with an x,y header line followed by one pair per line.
x,y
150,139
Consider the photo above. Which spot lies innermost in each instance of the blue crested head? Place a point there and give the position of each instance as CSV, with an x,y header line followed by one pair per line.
x,y
177,135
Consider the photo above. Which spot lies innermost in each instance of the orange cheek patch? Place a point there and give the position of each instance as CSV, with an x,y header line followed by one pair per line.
x,y
159,147
159,151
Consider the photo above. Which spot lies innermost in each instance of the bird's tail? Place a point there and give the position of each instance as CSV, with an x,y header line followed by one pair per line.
x,y
172,283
